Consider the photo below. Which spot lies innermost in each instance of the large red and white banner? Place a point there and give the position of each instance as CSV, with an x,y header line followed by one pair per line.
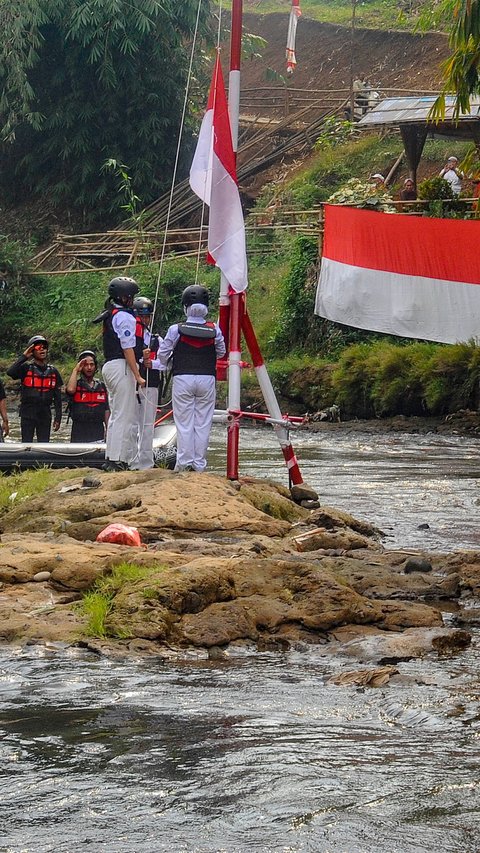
x,y
404,275
213,177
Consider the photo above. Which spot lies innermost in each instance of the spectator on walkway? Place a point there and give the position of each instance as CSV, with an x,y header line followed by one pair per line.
x,y
408,193
452,174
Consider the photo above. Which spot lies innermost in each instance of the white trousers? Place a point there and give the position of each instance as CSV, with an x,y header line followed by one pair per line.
x,y
193,399
146,412
122,424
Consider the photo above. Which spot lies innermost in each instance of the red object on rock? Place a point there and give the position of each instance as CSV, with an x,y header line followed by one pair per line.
x,y
120,534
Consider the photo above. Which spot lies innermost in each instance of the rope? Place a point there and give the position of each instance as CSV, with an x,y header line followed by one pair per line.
x,y
141,391
177,154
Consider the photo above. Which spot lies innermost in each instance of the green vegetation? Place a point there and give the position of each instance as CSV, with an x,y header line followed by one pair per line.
x,y
97,604
382,377
85,82
462,68
16,488
374,14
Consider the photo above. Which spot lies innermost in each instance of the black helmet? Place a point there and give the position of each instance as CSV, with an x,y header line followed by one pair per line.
x,y
143,306
194,294
122,288
88,353
37,339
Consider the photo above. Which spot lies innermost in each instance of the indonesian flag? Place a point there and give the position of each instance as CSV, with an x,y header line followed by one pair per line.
x,y
404,275
295,13
213,177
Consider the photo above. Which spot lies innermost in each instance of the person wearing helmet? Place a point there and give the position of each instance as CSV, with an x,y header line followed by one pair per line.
x,y
41,387
120,372
88,405
146,347
193,347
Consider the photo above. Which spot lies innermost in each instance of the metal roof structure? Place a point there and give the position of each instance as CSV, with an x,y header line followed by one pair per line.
x,y
416,110
411,116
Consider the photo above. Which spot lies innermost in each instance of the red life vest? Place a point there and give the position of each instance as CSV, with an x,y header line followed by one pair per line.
x,y
41,380
90,398
88,402
38,386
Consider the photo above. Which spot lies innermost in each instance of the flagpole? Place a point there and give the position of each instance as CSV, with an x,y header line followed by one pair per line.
x,y
238,315
235,310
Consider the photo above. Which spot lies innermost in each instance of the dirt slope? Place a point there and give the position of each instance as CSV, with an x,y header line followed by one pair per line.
x,y
388,59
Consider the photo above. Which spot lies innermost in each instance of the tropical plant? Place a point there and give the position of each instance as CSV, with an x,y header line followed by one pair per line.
x,y
462,68
88,80
363,194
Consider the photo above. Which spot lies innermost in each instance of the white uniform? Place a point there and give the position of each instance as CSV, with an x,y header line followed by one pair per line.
x,y
121,384
146,413
193,398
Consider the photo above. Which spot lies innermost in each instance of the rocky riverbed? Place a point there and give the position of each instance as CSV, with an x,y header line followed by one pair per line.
x,y
223,563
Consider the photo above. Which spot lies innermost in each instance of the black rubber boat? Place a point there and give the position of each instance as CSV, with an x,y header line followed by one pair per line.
x,y
17,456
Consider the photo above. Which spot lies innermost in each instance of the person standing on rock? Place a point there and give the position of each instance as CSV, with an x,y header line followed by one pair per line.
x,y
146,349
41,387
193,346
4,429
88,406
120,372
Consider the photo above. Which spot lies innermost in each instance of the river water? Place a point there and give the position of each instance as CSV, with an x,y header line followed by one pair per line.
x,y
259,752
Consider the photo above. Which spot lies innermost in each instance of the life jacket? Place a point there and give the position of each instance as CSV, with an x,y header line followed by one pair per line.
x,y
112,347
38,386
90,402
194,353
139,339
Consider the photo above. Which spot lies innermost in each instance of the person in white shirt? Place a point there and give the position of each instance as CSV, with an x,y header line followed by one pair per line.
x,y
452,175
120,373
193,347
147,403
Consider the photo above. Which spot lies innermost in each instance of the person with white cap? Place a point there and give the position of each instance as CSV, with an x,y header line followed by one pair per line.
x,y
452,175
193,347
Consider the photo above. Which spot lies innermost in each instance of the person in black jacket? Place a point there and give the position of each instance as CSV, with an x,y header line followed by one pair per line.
x,y
88,406
41,386
4,428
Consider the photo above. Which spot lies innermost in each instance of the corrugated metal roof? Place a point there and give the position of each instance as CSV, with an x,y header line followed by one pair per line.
x,y
416,110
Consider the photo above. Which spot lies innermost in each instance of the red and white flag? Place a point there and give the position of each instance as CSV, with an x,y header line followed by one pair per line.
x,y
404,275
295,13
213,177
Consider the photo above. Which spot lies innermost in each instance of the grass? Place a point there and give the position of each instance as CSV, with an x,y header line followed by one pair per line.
x,y
98,604
372,14
15,488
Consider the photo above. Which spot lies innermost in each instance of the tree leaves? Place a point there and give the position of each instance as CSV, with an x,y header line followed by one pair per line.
x,y
82,81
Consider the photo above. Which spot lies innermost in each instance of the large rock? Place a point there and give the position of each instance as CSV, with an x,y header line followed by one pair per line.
x,y
412,643
222,565
207,604
155,501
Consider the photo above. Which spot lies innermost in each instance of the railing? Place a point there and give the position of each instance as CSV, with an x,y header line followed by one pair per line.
x,y
284,100
266,232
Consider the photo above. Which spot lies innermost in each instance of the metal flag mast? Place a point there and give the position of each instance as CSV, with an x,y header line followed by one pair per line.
x,y
234,318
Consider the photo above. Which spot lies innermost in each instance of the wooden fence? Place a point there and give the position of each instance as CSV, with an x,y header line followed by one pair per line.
x,y
267,232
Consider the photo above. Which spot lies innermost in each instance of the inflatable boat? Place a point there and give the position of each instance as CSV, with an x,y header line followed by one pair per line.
x,y
17,456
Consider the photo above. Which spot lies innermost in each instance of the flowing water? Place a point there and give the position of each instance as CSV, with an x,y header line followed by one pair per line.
x,y
259,752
